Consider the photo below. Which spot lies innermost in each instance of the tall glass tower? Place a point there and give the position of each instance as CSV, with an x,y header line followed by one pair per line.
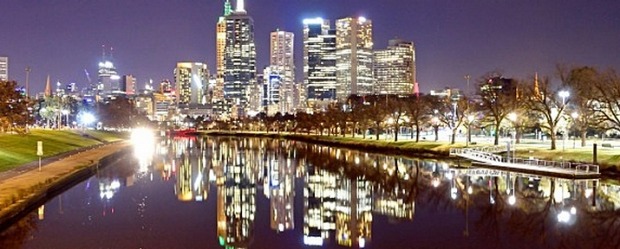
x,y
220,41
395,68
4,68
354,57
282,67
239,60
319,62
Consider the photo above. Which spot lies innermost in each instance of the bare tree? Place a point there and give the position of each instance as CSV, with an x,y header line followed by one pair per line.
x,y
498,98
583,82
416,107
451,112
545,102
608,104
377,111
396,110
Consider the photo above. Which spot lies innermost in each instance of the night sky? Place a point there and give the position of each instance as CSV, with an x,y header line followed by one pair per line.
x,y
453,37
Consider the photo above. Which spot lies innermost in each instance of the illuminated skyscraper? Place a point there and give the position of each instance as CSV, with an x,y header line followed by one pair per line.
x,y
220,41
239,60
191,79
354,57
319,62
282,63
4,68
271,90
395,68
107,75
128,84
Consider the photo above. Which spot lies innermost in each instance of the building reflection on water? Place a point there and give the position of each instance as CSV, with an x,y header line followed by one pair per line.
x,y
345,191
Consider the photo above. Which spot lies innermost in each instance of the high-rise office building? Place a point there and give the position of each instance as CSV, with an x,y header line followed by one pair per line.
x,y
108,77
395,68
270,91
191,79
283,64
220,43
4,68
319,62
128,84
354,57
239,60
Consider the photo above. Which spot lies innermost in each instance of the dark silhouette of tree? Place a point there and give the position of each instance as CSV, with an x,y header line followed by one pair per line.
x,y
377,111
14,113
417,108
397,109
120,113
608,93
498,97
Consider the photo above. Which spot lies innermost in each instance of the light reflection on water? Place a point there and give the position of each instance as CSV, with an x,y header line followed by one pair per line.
x,y
264,193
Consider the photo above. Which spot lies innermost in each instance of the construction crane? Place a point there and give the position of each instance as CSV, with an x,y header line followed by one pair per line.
x,y
90,82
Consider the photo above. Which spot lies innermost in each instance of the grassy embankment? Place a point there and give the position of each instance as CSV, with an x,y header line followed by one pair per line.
x,y
608,158
17,149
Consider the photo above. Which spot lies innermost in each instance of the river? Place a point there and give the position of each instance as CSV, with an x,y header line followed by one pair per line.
x,y
226,192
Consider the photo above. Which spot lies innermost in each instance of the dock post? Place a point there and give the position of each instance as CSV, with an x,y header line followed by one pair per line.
x,y
594,154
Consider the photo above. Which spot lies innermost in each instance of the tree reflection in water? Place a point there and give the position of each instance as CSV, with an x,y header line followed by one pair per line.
x,y
17,234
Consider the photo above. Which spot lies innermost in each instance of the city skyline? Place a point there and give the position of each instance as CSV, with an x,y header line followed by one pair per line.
x,y
452,38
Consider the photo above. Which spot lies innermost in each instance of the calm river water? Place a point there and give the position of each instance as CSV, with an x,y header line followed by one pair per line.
x,y
262,193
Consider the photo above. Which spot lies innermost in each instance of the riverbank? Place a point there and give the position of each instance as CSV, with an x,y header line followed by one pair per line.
x,y
18,149
607,159
29,189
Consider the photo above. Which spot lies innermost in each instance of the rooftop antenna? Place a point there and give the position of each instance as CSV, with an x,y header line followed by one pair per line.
x,y
240,6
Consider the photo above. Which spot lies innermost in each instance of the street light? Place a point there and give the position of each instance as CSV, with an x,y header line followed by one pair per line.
x,y
564,94
513,117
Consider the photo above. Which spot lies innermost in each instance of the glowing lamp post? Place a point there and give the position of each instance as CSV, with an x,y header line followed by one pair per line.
x,y
87,119
564,94
513,118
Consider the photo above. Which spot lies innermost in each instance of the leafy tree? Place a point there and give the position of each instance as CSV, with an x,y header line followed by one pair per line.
x,y
303,122
14,113
120,113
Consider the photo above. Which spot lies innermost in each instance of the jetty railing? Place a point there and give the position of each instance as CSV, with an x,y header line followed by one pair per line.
x,y
486,155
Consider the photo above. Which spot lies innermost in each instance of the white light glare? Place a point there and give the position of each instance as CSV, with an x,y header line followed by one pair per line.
x,y
316,20
512,200
563,217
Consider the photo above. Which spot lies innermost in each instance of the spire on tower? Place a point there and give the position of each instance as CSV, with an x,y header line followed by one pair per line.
x,y
240,6
536,88
48,87
227,8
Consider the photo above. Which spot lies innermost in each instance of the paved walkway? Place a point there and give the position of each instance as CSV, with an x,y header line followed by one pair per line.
x,y
17,185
